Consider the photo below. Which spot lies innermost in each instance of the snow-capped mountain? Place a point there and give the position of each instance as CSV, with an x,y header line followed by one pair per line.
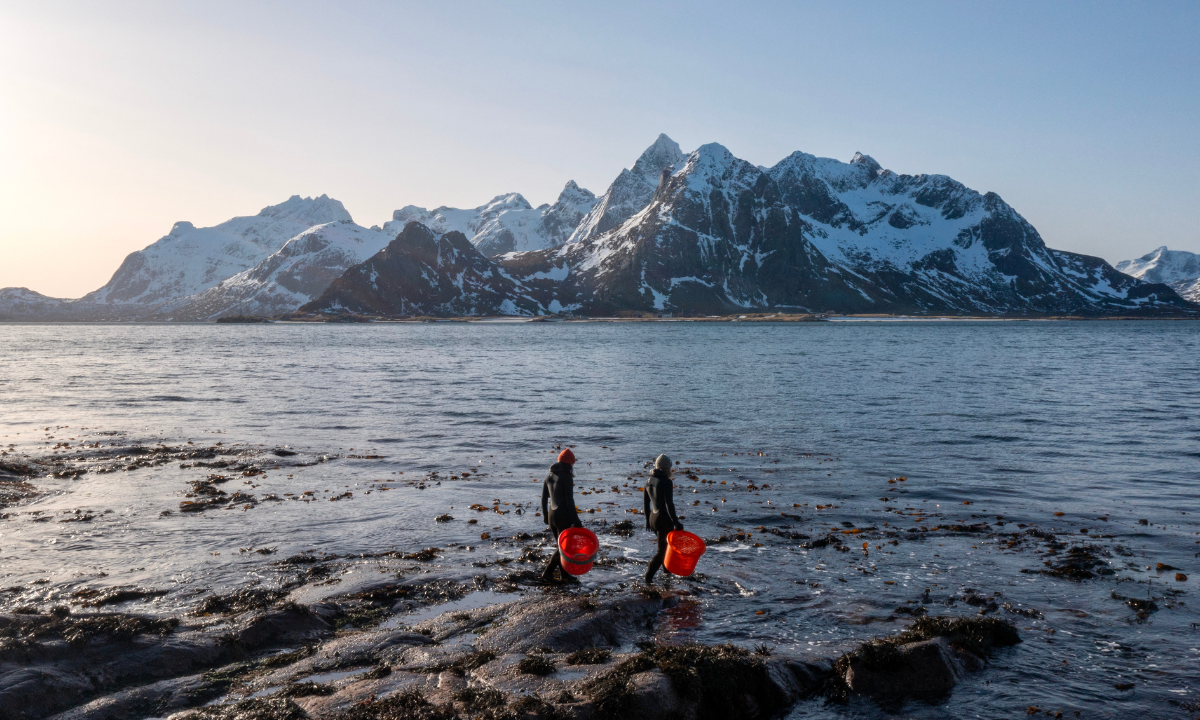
x,y
700,233
721,235
1178,268
631,191
423,272
24,304
508,223
295,274
190,260
267,263
717,234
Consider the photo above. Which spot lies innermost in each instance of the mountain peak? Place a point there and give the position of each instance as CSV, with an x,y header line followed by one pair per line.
x,y
507,201
713,150
311,211
866,161
662,154
572,194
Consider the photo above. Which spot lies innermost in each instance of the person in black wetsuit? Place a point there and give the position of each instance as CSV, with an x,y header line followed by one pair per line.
x,y
659,501
558,507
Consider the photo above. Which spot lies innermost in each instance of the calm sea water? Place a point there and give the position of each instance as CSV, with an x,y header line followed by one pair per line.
x,y
1052,425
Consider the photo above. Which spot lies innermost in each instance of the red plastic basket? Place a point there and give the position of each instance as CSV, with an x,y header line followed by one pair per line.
x,y
578,548
683,551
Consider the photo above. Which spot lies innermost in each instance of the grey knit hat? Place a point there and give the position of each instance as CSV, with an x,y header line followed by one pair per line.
x,y
662,462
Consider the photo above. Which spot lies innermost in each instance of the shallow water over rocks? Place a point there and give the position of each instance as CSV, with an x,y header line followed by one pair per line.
x,y
995,428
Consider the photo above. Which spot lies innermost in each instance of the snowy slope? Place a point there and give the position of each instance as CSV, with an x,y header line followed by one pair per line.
x,y
189,260
295,274
1178,268
507,223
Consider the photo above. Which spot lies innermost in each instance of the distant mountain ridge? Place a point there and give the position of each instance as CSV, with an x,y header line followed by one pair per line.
x,y
717,234
189,264
1178,268
683,233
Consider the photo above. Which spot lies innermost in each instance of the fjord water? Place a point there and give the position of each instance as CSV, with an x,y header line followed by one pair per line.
x,y
1098,421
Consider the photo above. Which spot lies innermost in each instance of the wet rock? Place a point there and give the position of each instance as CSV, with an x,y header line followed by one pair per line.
x,y
698,681
253,709
148,700
558,623
239,601
924,662
652,695
18,469
589,656
92,597
924,670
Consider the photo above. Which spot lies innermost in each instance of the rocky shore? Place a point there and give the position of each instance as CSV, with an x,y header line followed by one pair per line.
x,y
451,620
535,652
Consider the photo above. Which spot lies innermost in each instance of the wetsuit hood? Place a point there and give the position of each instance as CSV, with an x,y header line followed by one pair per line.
x,y
562,468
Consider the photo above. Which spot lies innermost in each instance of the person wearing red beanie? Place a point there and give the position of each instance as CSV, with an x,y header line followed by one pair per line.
x,y
558,507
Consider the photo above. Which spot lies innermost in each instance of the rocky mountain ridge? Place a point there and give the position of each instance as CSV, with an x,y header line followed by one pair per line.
x,y
719,234
697,233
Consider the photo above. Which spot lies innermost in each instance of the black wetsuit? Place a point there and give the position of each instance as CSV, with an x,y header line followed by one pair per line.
x,y
659,502
558,508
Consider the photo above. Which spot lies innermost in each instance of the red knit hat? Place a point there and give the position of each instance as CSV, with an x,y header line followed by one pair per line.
x,y
567,456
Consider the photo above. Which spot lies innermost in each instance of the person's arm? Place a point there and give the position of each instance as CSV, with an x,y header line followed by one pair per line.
x,y
569,491
646,502
668,502
546,497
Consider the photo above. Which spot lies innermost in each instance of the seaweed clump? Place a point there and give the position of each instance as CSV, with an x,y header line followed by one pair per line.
x,y
1082,562
253,709
480,699
536,665
408,705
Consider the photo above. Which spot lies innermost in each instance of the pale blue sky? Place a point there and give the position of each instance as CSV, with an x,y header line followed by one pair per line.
x,y
119,118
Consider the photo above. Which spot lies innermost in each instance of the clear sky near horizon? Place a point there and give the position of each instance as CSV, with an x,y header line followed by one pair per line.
x,y
118,119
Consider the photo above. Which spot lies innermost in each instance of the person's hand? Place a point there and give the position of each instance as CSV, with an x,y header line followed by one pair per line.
x,y
679,526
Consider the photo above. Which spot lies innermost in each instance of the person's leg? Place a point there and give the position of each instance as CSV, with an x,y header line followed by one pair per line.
x,y
657,561
555,564
555,559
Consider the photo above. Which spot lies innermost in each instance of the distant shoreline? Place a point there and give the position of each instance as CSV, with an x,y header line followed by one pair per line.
x,y
773,318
